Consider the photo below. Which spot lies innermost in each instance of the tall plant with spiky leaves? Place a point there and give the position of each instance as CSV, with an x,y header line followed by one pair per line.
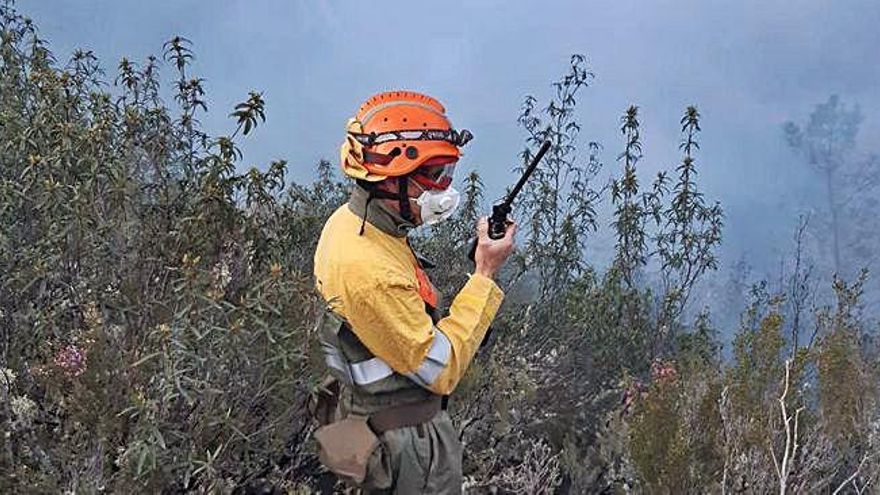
x,y
558,204
689,231
629,214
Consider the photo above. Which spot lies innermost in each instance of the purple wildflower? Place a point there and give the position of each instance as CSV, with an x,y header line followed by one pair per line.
x,y
71,360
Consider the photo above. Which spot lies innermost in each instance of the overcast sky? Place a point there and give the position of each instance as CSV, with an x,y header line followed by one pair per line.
x,y
748,65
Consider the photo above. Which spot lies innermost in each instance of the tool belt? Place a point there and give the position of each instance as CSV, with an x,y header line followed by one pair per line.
x,y
405,415
345,446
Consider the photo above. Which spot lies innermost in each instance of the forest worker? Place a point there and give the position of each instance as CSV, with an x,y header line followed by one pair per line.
x,y
381,337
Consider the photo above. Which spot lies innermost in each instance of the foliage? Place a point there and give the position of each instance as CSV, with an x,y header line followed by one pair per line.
x,y
156,310
153,310
559,203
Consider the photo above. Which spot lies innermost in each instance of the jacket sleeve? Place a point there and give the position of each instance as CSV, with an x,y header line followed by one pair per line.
x,y
390,320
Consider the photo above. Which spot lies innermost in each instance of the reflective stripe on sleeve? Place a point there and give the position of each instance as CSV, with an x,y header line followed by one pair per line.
x,y
375,369
369,371
362,373
435,361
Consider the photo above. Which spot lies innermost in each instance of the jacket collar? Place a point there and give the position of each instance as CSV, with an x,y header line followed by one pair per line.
x,y
380,215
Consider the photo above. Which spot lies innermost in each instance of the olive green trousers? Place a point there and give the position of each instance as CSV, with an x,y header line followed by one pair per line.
x,y
417,459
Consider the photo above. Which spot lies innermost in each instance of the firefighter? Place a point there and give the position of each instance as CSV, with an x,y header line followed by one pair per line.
x,y
392,359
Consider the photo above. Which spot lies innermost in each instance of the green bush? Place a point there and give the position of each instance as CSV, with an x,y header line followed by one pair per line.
x,y
156,305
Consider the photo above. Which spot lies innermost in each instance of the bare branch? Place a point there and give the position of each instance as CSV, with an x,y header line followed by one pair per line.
x,y
852,477
785,467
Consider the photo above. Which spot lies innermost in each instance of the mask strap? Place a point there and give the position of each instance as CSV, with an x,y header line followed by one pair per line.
x,y
403,199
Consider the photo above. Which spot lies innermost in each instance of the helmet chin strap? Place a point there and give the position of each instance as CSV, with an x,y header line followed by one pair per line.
x,y
402,197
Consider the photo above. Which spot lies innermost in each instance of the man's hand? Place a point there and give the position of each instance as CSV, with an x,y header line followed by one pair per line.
x,y
491,254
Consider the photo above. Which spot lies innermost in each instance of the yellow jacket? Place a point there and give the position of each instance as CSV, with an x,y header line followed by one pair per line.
x,y
371,281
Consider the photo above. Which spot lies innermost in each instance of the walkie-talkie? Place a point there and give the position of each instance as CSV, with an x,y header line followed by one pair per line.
x,y
502,209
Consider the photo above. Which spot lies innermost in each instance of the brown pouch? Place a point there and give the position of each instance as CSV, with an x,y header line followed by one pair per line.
x,y
345,447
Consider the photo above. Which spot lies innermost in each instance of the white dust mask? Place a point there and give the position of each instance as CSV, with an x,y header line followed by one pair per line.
x,y
437,206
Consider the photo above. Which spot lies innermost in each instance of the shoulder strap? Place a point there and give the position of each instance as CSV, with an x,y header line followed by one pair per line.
x,y
427,291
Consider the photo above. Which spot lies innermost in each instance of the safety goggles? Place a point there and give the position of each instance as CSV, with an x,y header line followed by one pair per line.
x,y
435,176
458,138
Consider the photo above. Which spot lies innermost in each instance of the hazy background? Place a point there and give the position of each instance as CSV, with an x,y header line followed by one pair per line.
x,y
748,65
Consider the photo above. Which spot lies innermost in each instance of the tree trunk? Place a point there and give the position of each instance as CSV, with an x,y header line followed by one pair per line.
x,y
835,220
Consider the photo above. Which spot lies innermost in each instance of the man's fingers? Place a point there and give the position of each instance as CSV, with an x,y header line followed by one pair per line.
x,y
483,228
511,229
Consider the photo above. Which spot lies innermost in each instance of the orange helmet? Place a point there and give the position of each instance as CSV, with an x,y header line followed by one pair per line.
x,y
395,133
